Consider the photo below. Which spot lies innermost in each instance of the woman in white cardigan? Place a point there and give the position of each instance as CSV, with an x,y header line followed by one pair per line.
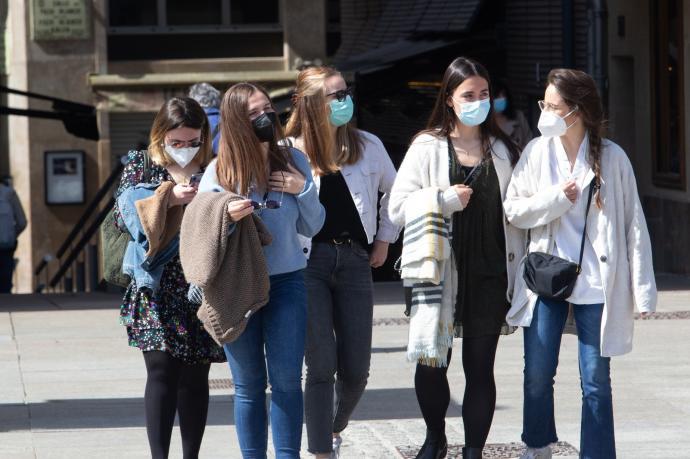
x,y
548,195
462,162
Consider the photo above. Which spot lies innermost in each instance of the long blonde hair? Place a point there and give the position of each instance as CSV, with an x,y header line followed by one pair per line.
x,y
175,113
240,161
310,120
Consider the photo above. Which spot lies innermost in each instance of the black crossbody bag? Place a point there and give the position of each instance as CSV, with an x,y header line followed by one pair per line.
x,y
550,276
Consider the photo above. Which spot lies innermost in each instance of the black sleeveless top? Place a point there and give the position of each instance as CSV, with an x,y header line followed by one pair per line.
x,y
480,252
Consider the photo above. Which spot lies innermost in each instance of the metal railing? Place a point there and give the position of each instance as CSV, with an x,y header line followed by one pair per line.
x,y
77,258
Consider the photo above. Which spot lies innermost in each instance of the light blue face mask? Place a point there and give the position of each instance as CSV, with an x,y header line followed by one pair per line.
x,y
341,111
474,113
500,104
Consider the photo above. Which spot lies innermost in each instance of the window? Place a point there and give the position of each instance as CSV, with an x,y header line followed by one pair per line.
x,y
668,120
184,29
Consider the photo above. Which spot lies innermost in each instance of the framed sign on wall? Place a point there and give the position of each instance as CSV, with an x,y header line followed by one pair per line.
x,y
65,181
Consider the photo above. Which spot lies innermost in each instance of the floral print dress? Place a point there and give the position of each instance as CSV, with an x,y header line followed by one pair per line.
x,y
167,322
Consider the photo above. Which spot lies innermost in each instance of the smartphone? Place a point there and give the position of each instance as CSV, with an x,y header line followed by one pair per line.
x,y
195,179
473,174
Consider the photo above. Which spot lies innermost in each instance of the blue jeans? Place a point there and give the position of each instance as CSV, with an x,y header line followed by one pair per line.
x,y
279,328
542,346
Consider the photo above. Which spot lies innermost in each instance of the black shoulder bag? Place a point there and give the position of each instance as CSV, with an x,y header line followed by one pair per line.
x,y
550,276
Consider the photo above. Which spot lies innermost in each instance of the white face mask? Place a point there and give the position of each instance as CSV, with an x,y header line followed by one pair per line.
x,y
552,125
182,156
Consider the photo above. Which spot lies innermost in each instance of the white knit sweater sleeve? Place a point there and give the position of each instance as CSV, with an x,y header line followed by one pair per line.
x,y
422,167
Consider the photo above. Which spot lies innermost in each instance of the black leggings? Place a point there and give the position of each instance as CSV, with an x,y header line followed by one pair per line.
x,y
479,402
173,386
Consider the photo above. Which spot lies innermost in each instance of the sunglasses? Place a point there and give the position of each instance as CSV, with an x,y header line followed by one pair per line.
x,y
268,203
341,94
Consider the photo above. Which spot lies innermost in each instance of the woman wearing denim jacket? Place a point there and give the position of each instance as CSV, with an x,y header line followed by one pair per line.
x,y
277,184
177,350
350,168
548,195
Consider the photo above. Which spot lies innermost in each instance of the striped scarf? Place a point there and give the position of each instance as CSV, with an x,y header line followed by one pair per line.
x,y
426,264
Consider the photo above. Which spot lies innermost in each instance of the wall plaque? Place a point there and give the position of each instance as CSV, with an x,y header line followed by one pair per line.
x,y
60,20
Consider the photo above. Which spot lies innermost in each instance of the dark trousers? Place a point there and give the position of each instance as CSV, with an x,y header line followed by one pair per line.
x,y
6,269
340,292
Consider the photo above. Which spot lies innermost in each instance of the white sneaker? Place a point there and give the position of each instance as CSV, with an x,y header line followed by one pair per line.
x,y
337,441
537,453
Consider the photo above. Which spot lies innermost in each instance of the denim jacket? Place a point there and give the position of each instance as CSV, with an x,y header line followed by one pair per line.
x,y
146,271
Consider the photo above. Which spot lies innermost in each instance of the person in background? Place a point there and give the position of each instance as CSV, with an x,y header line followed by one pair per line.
x,y
511,120
177,351
12,223
277,185
557,176
209,99
350,167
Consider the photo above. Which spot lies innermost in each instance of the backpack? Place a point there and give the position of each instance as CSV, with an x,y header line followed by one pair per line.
x,y
8,228
114,242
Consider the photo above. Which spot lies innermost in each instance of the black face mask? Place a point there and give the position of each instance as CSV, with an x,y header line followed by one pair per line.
x,y
264,126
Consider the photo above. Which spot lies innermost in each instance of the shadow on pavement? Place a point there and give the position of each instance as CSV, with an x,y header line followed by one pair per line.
x,y
36,302
376,404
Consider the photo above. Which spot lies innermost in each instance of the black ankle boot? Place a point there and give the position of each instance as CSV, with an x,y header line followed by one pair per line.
x,y
471,453
435,446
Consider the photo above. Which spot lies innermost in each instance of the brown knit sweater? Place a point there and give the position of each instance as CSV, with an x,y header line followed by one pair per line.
x,y
160,223
230,269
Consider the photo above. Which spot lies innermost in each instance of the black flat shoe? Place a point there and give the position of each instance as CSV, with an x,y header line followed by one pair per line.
x,y
435,446
471,453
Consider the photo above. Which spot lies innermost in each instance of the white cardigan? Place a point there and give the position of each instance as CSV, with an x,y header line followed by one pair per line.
x,y
618,233
373,173
426,165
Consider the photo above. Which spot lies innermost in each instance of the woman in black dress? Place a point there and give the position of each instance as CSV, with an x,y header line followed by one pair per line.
x,y
469,160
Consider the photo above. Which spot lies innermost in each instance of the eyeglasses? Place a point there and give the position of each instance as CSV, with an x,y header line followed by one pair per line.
x,y
341,94
550,107
184,143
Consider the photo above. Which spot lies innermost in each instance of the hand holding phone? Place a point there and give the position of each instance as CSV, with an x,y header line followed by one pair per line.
x,y
195,179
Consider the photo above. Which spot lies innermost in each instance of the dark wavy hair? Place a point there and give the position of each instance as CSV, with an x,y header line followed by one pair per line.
x,y
579,90
443,119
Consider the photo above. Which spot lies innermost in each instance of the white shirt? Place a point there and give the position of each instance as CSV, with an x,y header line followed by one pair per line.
x,y
588,287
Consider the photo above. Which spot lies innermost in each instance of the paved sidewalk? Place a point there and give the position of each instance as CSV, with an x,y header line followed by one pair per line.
x,y
70,387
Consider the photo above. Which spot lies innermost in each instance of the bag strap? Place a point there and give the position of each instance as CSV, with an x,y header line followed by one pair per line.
x,y
147,166
592,186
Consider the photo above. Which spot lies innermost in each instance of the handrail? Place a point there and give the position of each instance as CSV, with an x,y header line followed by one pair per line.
x,y
88,234
114,175
88,212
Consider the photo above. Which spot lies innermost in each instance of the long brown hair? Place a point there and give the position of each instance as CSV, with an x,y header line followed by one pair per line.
x,y
175,113
578,89
310,120
240,160
443,118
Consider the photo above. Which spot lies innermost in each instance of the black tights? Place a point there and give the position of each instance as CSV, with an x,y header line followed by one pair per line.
x,y
173,386
479,402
